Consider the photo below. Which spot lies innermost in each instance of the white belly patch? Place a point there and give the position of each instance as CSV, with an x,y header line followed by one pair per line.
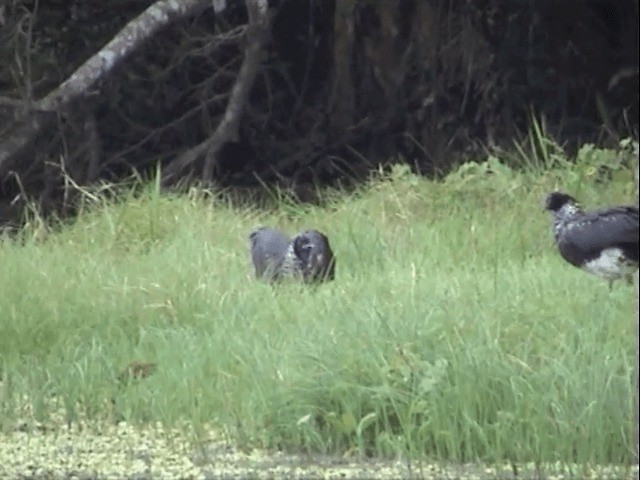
x,y
611,264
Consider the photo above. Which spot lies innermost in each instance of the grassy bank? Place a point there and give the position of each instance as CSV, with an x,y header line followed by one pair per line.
x,y
453,330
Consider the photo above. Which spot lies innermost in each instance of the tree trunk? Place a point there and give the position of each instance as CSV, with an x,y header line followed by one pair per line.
x,y
342,101
636,321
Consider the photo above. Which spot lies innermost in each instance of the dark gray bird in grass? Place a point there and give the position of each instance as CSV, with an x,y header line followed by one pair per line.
x,y
306,257
603,242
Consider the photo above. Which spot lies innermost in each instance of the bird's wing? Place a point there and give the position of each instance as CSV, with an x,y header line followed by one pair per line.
x,y
268,248
602,228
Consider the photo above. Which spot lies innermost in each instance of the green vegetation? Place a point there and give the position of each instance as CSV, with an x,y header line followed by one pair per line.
x,y
453,330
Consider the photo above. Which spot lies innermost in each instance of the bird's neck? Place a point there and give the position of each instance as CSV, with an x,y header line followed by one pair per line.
x,y
563,216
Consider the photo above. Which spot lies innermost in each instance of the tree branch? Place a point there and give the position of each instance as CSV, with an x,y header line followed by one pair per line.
x,y
132,36
229,125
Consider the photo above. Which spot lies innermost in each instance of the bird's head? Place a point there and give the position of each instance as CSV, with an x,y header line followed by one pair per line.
x,y
314,252
554,201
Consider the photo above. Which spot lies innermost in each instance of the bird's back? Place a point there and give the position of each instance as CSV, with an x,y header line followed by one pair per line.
x,y
603,242
268,248
612,227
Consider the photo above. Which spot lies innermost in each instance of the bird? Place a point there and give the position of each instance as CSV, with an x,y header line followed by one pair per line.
x,y
602,242
307,257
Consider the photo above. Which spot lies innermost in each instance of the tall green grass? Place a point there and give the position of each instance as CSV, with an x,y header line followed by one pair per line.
x,y
453,329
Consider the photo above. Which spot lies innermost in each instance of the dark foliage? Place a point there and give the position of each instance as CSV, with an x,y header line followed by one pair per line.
x,y
344,85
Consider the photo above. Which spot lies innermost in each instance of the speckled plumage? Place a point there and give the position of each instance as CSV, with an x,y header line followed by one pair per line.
x,y
603,242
